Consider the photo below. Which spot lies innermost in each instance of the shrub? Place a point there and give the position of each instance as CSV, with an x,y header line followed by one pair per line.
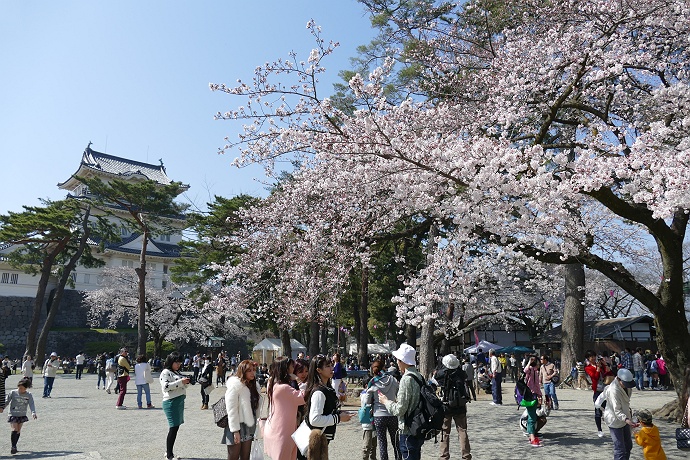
x,y
94,348
166,349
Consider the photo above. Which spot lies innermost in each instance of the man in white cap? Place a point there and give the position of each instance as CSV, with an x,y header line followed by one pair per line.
x,y
617,414
406,402
50,368
452,380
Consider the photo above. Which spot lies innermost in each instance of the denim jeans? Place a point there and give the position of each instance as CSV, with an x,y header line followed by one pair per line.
x,y
496,388
550,390
145,387
410,447
48,385
639,379
622,442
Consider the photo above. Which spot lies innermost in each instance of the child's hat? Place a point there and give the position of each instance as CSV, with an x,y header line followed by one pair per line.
x,y
644,416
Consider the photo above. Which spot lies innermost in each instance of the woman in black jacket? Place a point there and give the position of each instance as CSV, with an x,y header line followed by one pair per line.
x,y
205,381
323,407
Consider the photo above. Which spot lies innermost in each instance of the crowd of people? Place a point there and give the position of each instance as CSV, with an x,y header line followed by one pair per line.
x,y
312,392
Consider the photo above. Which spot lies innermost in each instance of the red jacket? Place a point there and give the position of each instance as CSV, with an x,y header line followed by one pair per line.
x,y
594,375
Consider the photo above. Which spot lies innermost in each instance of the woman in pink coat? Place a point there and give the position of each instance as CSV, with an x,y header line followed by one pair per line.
x,y
282,418
532,376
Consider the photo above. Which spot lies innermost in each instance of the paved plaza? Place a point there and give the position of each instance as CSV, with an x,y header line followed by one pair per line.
x,y
81,422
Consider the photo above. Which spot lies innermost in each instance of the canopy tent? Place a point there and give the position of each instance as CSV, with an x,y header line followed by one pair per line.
x,y
372,349
273,348
517,349
484,345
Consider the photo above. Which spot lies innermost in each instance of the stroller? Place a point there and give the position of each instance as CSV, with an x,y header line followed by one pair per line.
x,y
483,381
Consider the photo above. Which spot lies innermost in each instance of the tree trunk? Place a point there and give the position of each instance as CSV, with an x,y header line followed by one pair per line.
x,y
324,338
411,335
313,338
445,342
157,344
285,342
427,359
142,335
46,269
363,338
66,271
572,335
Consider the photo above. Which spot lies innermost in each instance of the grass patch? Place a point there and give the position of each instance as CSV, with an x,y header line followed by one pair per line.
x,y
93,329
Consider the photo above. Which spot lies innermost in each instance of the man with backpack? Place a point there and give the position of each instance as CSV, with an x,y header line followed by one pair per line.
x,y
407,400
451,380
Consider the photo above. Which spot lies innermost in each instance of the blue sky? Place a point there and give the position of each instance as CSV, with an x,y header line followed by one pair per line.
x,y
132,77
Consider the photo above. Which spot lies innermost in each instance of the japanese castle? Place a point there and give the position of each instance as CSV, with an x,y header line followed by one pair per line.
x,y
161,250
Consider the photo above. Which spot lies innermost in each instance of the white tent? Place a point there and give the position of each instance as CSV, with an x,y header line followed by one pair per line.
x,y
372,348
484,345
274,348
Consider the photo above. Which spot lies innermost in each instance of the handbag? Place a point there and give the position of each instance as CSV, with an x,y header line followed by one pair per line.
x,y
366,414
555,379
683,433
301,436
257,452
220,413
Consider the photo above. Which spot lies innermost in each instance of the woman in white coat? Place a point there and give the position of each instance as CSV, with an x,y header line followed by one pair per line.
x,y
242,404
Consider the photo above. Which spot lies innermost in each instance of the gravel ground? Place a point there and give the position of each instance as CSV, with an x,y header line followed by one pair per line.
x,y
81,422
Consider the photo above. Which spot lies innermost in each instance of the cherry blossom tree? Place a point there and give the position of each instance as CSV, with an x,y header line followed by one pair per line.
x,y
169,314
564,140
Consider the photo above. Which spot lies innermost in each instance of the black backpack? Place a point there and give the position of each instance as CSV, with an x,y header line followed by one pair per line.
x,y
454,390
522,391
426,420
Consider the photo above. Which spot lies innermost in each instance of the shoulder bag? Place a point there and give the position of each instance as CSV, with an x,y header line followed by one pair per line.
x,y
220,413
683,433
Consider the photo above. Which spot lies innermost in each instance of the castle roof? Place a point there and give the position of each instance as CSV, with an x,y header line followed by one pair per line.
x,y
100,164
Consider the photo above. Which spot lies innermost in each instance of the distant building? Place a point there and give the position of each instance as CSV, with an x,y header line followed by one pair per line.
x,y
606,336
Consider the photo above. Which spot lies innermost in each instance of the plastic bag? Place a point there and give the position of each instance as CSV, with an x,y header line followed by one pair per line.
x,y
257,451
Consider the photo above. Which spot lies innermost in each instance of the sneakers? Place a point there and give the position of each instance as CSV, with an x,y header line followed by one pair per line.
x,y
121,407
495,403
108,391
536,443
600,434
174,457
150,406
13,450
555,407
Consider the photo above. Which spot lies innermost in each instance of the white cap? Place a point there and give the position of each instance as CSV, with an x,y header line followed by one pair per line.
x,y
450,361
625,376
405,354
53,354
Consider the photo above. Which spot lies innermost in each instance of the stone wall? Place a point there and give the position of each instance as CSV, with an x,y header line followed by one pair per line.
x,y
15,317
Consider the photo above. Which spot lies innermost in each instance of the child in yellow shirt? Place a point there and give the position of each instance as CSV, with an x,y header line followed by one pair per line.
x,y
648,437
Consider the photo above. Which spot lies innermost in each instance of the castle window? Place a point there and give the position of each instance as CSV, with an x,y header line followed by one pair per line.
x,y
165,237
165,269
87,278
14,278
5,278
128,263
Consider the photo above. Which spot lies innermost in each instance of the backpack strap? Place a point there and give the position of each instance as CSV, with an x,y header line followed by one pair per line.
x,y
419,382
